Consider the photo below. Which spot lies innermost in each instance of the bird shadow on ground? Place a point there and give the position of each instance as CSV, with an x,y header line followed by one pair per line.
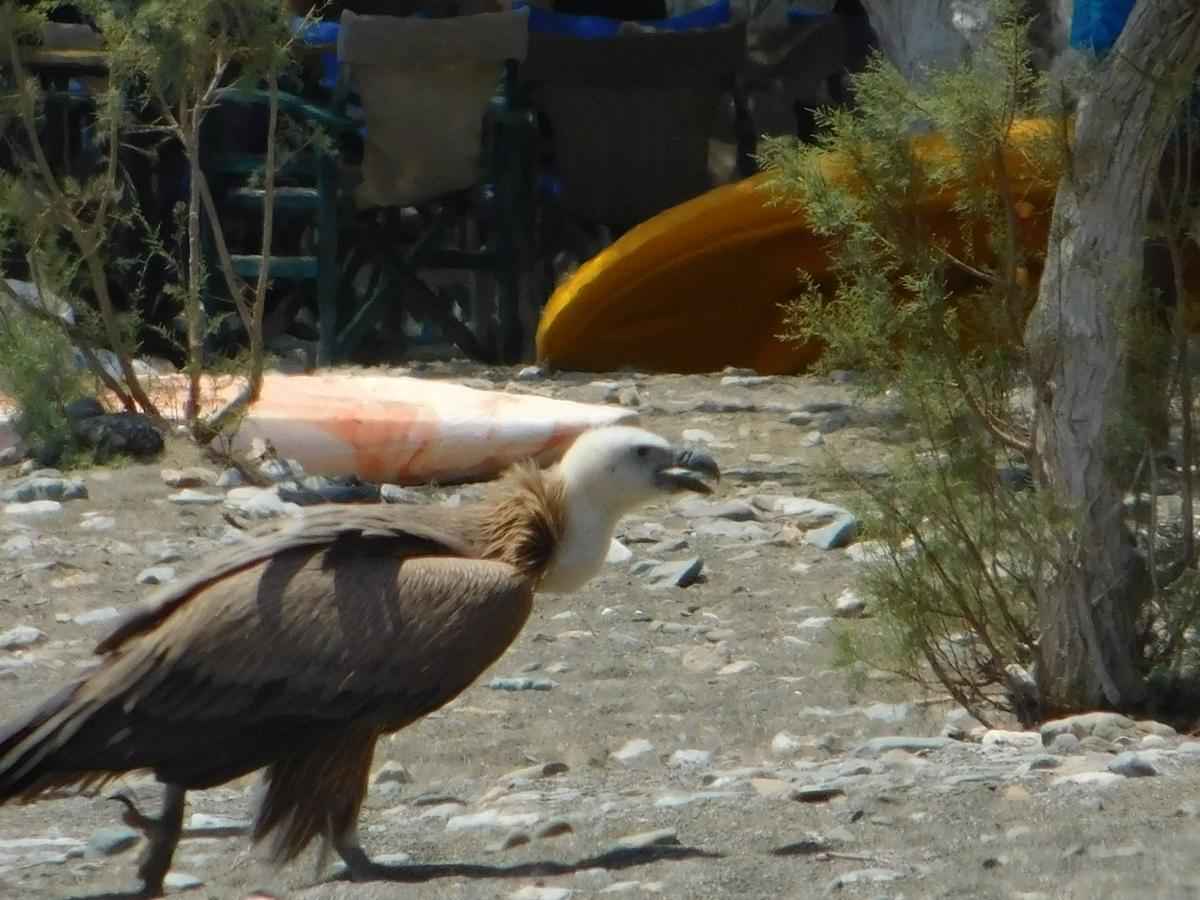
x,y
618,858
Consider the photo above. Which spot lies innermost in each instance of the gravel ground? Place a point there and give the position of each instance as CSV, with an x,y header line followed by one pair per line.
x,y
640,738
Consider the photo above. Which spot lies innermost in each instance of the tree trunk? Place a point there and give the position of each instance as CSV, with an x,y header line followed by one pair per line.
x,y
1090,645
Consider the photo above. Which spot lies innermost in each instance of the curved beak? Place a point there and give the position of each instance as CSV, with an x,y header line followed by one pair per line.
x,y
687,472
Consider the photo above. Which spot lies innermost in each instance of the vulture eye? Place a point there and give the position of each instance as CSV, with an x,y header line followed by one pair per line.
x,y
643,450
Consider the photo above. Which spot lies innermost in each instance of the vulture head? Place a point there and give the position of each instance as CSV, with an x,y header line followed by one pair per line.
x,y
605,474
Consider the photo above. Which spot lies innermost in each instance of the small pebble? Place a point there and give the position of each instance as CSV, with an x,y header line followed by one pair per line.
x,y
111,840
849,605
156,575
189,497
633,749
522,684
1132,765
20,637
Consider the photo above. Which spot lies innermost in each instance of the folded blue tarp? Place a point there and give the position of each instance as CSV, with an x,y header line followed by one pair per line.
x,y
549,22
1097,24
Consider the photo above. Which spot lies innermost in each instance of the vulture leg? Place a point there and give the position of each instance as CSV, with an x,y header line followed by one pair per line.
x,y
358,864
161,833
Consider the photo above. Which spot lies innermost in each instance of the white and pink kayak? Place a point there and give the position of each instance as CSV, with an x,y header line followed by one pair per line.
x,y
393,429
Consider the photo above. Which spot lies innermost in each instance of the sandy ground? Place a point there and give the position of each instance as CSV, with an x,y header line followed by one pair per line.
x,y
711,714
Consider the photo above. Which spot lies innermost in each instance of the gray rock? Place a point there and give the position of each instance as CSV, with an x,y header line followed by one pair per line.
x,y
812,439
208,826
836,534
807,511
670,545
835,421
734,510
646,533
632,750
724,405
689,759
230,478
516,838
1104,725
190,497
392,773
95,616
555,827
21,637
534,773
747,381
680,573
816,793
17,546
662,837
156,575
863,876
1064,744
1132,765
799,418
879,745
34,508
522,684
113,839
192,477
281,470
394,493
1090,779
97,524
618,553
849,605
530,373
10,456
261,503
44,487
642,566
181,881
817,407
629,396
1044,761
738,531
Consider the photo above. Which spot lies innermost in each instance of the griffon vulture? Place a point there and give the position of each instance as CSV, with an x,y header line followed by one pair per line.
x,y
296,651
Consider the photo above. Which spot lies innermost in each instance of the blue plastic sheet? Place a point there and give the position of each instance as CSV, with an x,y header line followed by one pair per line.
x,y
549,22
1097,24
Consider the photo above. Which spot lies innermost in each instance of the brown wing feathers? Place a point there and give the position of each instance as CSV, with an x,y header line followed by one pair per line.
x,y
295,652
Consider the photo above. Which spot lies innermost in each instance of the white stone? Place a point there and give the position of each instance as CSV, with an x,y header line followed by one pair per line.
x,y
1090,779
785,746
20,637
34,508
738,667
92,616
490,818
535,892
633,749
1024,740
689,759
618,553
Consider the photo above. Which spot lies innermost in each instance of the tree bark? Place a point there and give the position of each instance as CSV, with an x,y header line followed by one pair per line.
x,y
1090,645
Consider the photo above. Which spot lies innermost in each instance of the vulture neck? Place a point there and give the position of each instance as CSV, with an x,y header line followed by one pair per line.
x,y
589,519
555,533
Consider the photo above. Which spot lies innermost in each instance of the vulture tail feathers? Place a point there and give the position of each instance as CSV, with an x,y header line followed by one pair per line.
x,y
315,793
28,747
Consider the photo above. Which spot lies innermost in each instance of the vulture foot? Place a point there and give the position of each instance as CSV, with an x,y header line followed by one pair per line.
x,y
359,866
162,835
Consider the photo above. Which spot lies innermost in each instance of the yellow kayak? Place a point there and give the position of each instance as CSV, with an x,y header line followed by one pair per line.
x,y
700,286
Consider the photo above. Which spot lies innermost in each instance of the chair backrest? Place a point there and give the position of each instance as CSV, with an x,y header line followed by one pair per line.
x,y
630,114
425,85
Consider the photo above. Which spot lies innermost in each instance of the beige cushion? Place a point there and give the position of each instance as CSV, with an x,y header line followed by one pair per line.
x,y
425,86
